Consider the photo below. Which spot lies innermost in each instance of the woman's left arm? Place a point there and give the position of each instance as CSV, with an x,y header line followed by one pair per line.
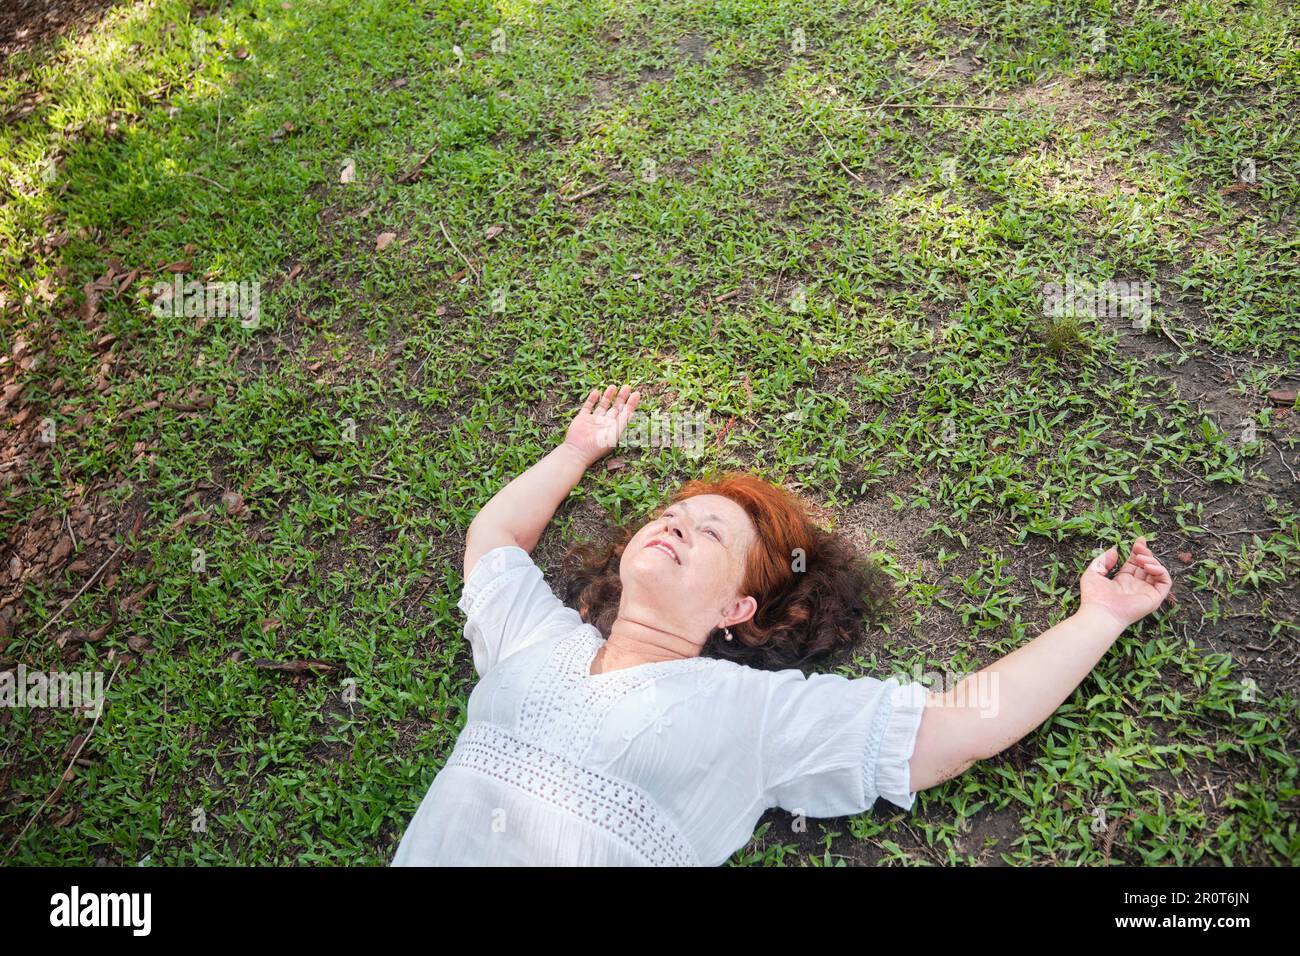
x,y
519,512
990,710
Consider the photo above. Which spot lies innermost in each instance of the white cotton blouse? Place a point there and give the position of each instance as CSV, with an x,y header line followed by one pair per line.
x,y
670,763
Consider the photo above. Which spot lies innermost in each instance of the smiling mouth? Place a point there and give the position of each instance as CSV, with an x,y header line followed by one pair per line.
x,y
666,548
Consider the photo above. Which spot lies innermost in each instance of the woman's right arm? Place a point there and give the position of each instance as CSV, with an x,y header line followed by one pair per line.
x,y
519,512
991,709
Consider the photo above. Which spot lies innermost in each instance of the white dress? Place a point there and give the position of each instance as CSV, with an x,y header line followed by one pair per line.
x,y
670,763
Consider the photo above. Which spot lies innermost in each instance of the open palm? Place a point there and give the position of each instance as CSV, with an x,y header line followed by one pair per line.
x,y
1138,588
595,431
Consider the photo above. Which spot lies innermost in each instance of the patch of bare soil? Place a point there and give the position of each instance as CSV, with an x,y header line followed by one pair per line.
x,y
28,24
958,67
1079,100
694,48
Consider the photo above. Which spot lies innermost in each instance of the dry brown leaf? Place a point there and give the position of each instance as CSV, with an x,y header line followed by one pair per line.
x,y
134,600
61,551
68,817
416,171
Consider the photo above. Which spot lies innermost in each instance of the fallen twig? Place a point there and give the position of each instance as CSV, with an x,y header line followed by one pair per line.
x,y
296,667
1160,325
207,180
919,106
468,265
68,603
416,171
856,178
585,193
63,779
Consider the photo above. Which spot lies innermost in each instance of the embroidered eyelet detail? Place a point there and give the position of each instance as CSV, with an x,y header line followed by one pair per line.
x,y
564,712
621,809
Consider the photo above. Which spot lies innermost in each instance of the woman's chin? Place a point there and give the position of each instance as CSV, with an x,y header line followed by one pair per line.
x,y
651,565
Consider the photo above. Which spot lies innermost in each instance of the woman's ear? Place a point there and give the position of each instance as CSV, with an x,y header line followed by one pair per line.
x,y
739,611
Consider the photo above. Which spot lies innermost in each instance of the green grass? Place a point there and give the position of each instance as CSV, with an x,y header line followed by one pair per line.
x,y
913,388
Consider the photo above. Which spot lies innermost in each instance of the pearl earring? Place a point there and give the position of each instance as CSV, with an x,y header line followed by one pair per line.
x,y
728,630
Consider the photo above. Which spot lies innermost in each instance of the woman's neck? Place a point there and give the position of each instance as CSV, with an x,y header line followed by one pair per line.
x,y
632,642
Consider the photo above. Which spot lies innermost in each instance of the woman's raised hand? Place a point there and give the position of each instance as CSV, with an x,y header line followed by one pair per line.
x,y
596,429
1137,589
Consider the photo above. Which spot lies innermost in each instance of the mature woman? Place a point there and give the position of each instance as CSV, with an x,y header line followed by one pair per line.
x,y
656,726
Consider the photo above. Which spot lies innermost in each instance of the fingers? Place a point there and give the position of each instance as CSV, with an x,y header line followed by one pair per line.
x,y
1156,573
1138,554
1159,571
613,399
1131,565
626,412
1143,565
604,399
1103,562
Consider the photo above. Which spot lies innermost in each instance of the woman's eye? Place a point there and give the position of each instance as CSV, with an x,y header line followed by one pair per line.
x,y
669,514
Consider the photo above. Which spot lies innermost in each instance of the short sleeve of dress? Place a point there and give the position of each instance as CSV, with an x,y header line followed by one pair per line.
x,y
831,745
508,606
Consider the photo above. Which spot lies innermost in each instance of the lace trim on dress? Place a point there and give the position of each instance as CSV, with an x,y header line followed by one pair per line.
x,y
624,811
891,742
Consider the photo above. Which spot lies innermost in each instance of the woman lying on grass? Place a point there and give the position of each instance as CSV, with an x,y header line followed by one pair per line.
x,y
656,726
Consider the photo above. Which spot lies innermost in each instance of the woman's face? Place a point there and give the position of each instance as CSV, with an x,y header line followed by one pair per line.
x,y
682,571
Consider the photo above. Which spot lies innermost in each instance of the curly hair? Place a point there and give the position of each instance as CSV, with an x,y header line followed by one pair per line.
x,y
813,590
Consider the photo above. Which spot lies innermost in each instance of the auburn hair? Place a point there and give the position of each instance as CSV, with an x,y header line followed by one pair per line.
x,y
813,590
